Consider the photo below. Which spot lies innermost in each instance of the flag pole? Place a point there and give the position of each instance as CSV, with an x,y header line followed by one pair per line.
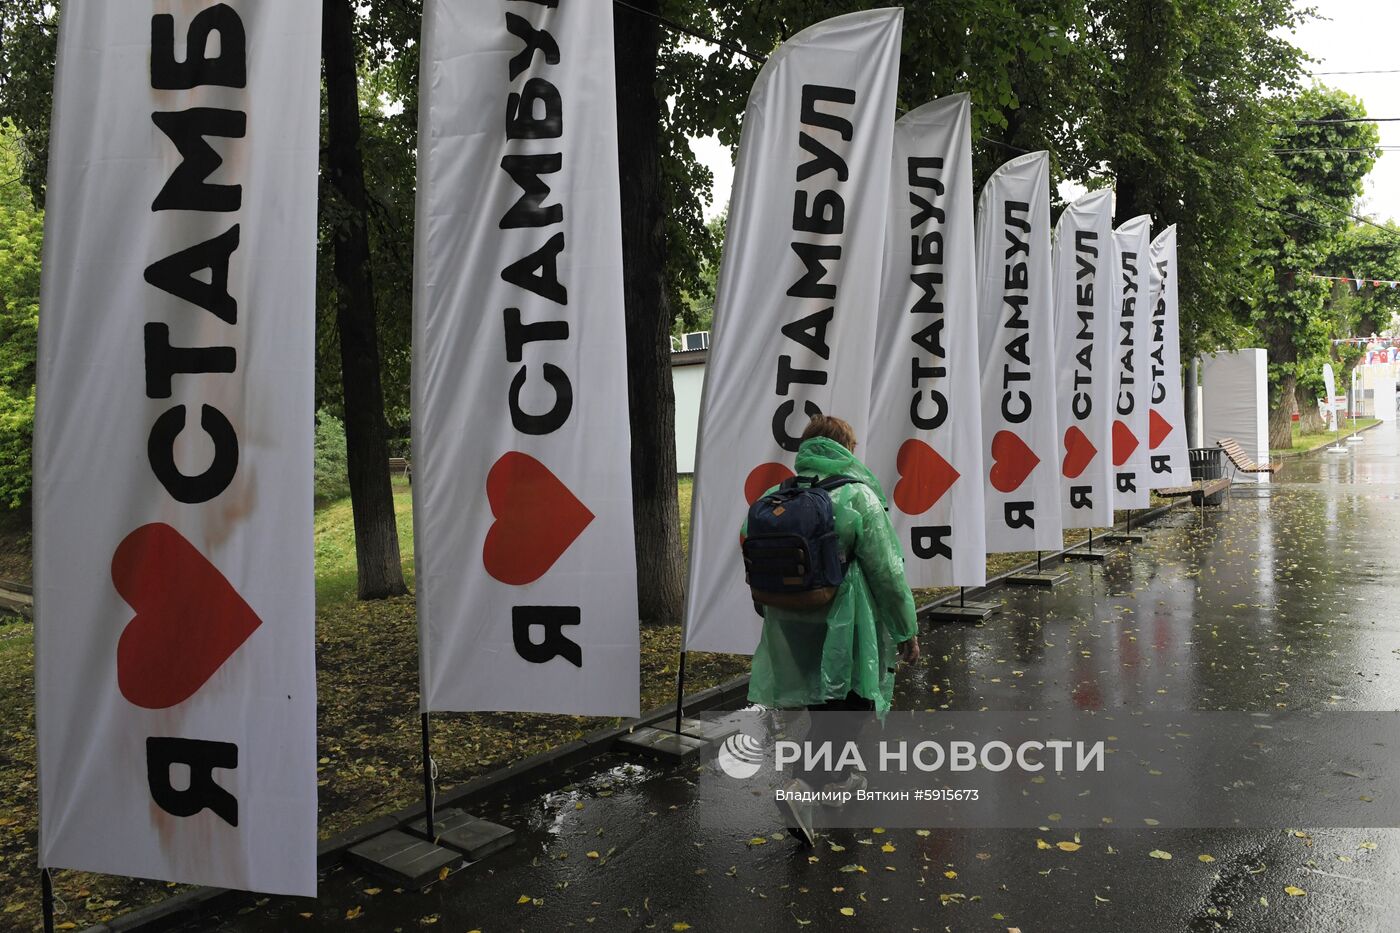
x,y
680,691
46,884
428,780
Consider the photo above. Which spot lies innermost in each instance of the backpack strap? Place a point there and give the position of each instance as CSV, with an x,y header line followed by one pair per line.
x,y
835,482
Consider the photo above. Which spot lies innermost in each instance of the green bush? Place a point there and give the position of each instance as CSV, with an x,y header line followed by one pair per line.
x,y
332,478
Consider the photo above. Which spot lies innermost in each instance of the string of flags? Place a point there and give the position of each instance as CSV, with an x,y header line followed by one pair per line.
x,y
1357,283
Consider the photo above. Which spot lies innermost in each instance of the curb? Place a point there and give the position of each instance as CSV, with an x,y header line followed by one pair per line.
x,y
200,903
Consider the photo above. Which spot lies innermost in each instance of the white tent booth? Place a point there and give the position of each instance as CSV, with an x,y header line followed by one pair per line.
x,y
1235,403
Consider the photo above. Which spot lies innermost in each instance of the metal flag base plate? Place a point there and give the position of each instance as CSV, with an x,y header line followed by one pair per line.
x,y
1044,578
408,861
663,744
1124,537
967,612
1082,554
472,836
708,730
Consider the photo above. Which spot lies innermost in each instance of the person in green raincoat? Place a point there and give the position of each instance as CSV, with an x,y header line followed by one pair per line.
x,y
843,655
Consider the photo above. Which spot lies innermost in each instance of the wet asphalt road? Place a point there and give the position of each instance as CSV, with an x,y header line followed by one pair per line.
x,y
1281,602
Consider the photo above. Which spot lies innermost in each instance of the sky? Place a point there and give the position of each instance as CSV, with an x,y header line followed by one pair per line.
x,y
1348,35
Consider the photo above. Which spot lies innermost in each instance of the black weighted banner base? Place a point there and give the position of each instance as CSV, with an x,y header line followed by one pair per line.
x,y
1047,579
661,744
407,861
1124,537
472,836
967,612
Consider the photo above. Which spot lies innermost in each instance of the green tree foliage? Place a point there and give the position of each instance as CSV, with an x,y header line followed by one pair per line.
x,y
332,479
28,45
1321,167
697,308
1185,131
1367,252
21,239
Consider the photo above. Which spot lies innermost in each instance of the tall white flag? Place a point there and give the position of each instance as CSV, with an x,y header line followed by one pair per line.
x,y
526,568
1085,280
1016,335
926,412
794,330
175,615
1167,462
1133,254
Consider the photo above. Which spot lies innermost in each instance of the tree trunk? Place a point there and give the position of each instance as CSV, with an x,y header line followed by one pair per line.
x,y
1309,421
651,399
1281,414
371,496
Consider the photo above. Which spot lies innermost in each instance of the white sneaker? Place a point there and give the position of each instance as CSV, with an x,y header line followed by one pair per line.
x,y
855,781
798,813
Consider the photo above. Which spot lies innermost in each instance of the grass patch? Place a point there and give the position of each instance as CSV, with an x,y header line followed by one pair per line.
x,y
685,490
1302,443
335,545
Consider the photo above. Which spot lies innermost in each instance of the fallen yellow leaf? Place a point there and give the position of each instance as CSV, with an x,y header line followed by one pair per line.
x,y
757,841
524,899
353,913
1042,844
848,911
887,847
1205,858
1158,853
1067,846
680,927
1293,891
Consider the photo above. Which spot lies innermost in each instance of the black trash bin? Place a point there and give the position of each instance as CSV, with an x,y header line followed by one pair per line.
x,y
1207,463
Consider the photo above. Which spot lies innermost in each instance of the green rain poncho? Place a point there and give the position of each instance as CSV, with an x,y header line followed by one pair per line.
x,y
806,658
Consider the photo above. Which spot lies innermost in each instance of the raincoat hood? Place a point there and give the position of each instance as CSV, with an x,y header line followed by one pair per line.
x,y
825,457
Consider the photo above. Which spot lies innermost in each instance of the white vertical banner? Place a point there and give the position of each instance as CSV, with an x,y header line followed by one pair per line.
x,y
925,411
795,312
1329,384
1016,337
174,591
1167,459
526,566
1133,253
1085,280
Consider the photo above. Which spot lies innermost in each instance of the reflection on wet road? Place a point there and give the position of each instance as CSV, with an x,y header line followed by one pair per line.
x,y
1283,601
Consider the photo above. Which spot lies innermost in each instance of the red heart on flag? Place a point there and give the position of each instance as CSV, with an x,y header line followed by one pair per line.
x,y
537,518
1157,430
1124,443
1012,462
189,618
763,478
1079,452
924,476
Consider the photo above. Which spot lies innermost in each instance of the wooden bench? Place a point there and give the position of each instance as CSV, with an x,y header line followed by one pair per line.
x,y
398,466
1242,462
1202,492
1208,492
